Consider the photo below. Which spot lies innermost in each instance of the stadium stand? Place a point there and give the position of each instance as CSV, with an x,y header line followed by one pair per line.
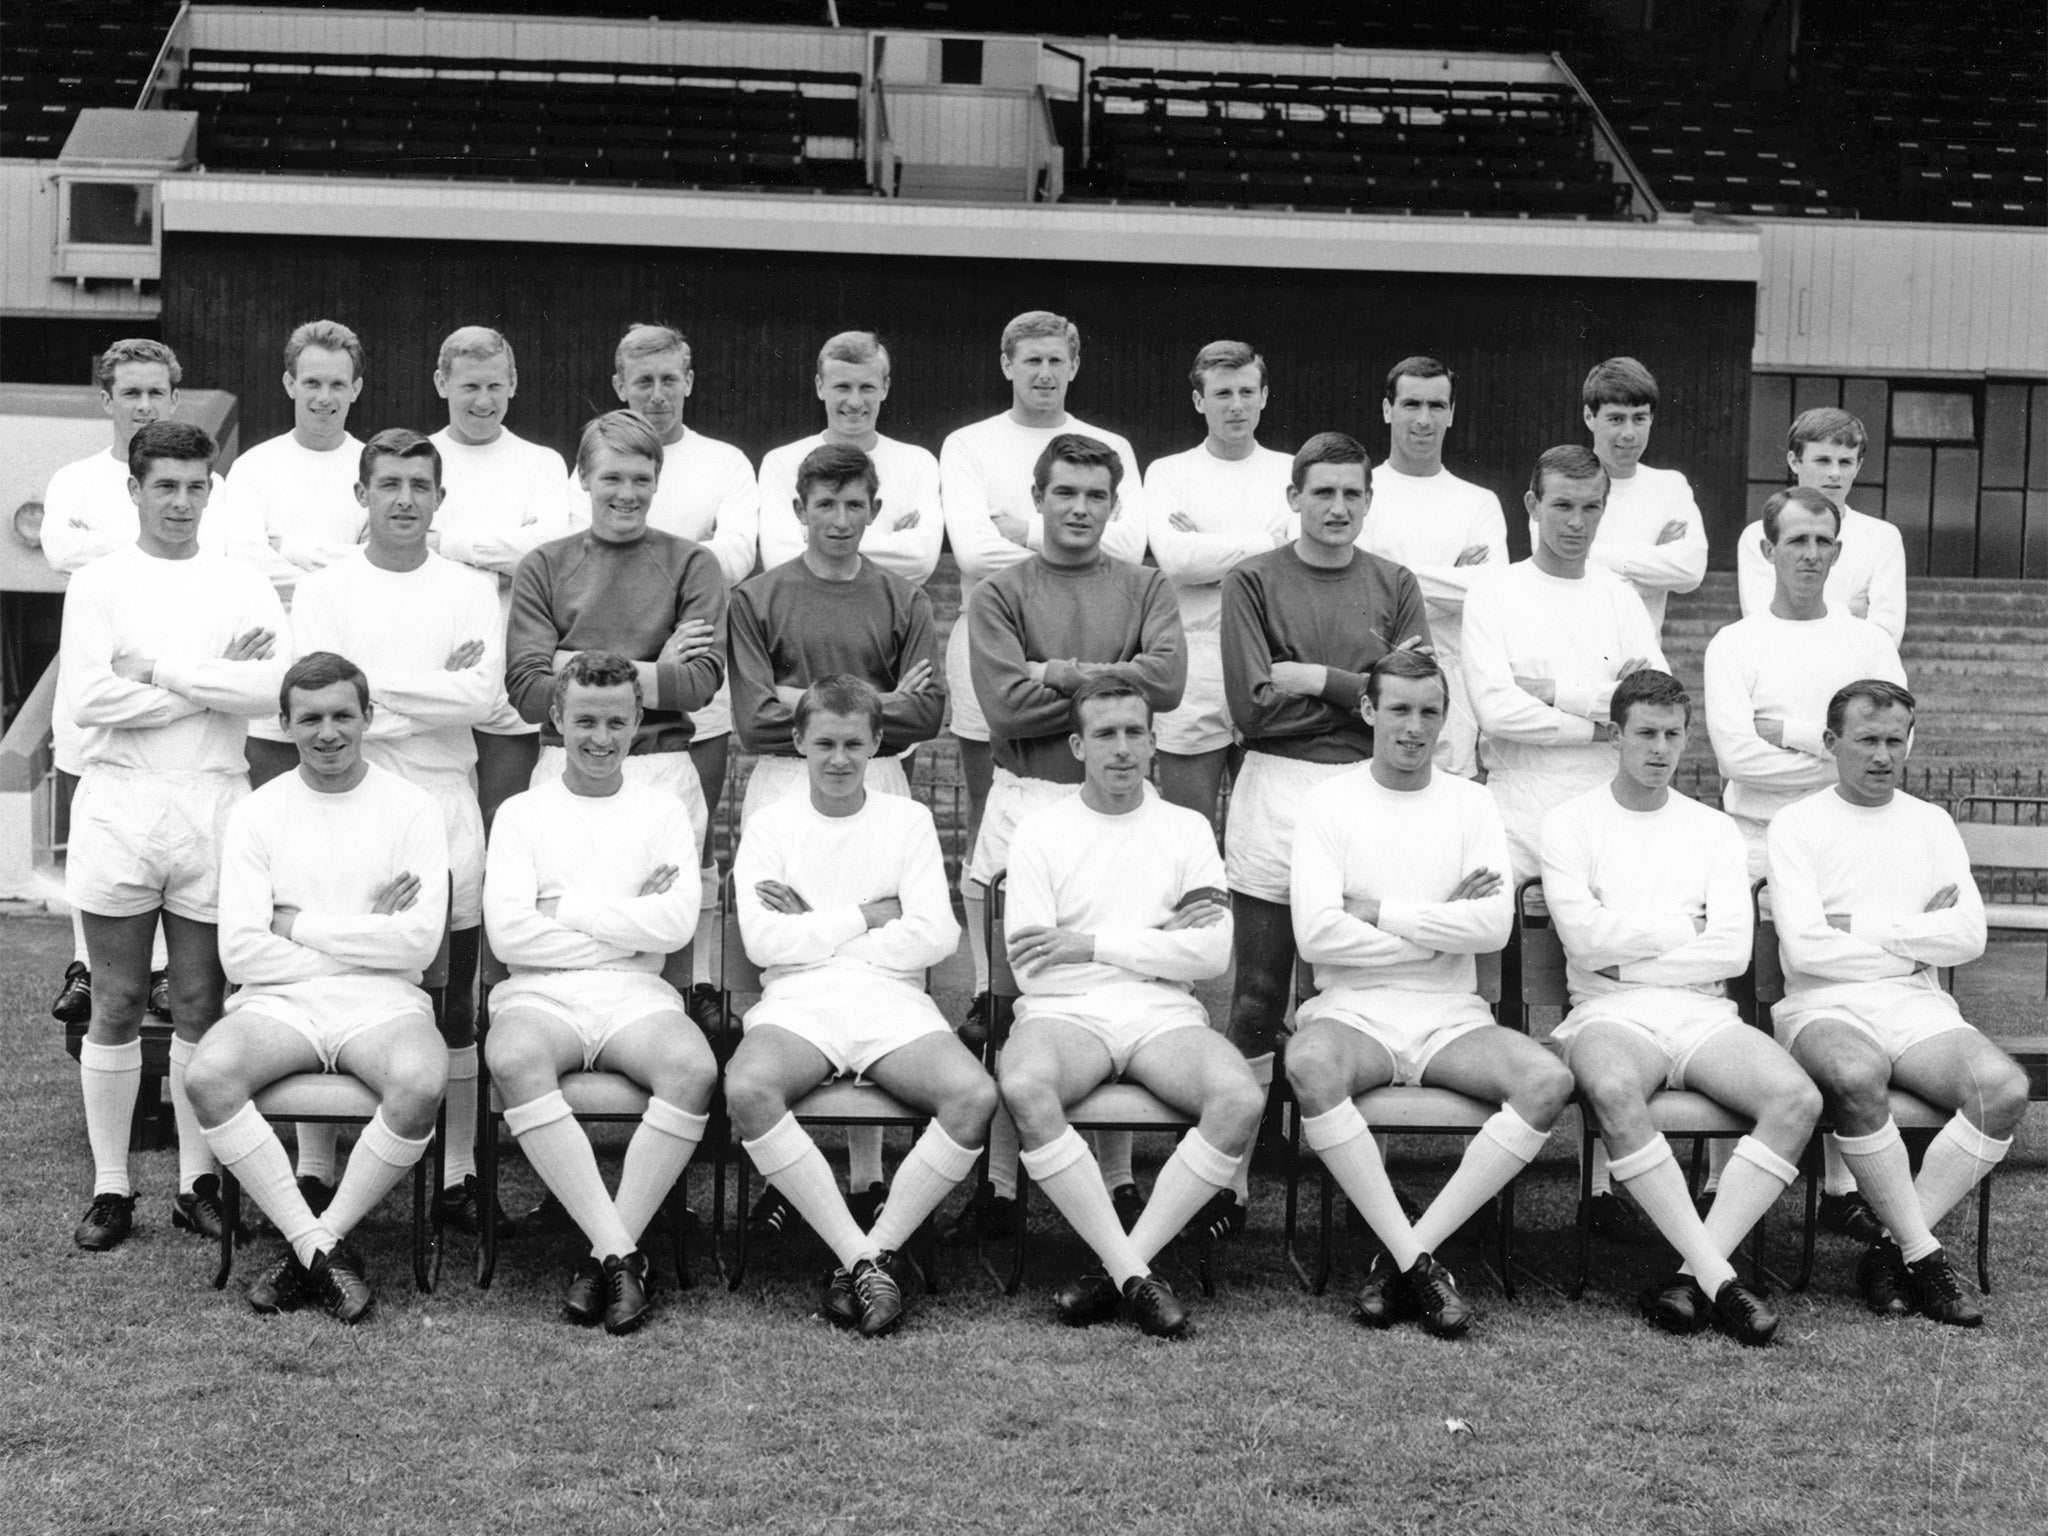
x,y
1316,23
58,56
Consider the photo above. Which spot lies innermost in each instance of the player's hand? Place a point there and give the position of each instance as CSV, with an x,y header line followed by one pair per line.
x,y
1418,645
561,659
252,645
1476,886
81,524
658,883
917,679
1699,924
1473,554
1770,729
1672,531
137,669
787,696
1015,529
1304,680
1032,948
1542,689
1632,664
777,897
465,656
281,920
1180,522
548,906
693,638
1942,899
1840,920
398,896
909,519
887,910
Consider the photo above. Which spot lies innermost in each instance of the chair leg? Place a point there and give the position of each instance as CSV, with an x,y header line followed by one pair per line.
x,y
1585,1202
1984,1235
1810,1227
739,1214
230,1219
1326,1245
421,1280
438,1223
1290,1220
1014,1282
721,1132
1504,1214
486,1186
678,1209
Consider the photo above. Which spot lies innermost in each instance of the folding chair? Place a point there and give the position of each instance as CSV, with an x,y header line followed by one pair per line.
x,y
1403,1111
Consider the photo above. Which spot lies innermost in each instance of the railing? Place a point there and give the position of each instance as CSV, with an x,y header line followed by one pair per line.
x,y
154,83
883,166
1045,176
1609,149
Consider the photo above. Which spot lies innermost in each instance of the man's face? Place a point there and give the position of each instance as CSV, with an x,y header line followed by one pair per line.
x,y
654,388
401,497
1829,468
327,724
1407,721
1620,433
141,393
621,487
1332,503
1231,401
322,386
1652,740
1418,416
1870,751
853,394
597,725
479,391
836,749
1039,372
835,517
1806,551
1567,515
1076,504
1114,745
170,499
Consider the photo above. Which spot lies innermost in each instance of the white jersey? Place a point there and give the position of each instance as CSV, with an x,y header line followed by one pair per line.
x,y
1869,579
1637,510
707,494
294,508
498,500
909,477
1239,509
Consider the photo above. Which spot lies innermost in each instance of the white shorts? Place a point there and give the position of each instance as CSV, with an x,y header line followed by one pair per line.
x,y
1675,1020
1524,799
330,1011
1898,1015
143,839
595,1004
1123,1017
1411,1026
715,718
968,722
670,771
1010,800
1258,836
774,779
853,1016
1202,722
463,821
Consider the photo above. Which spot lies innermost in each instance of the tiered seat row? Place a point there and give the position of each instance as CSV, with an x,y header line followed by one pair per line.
x,y
1718,155
58,56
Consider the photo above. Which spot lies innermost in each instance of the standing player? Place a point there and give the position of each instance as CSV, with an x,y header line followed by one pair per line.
x,y
1872,894
1206,509
330,907
1445,530
1648,893
588,889
1824,450
1399,879
168,650
843,904
1652,535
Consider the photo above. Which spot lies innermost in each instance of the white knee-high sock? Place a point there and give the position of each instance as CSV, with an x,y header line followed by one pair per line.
x,y
382,1158
1603,1182
974,901
1750,1185
1719,1150
1505,1145
319,1144
791,1161
935,1165
1885,1175
1185,1184
1835,1177
1342,1140
1957,1159
560,1153
710,923
110,1077
78,949
1241,1175
195,1158
459,1157
1065,1169
1003,1148
1654,1180
663,1143
863,1157
247,1145
1113,1157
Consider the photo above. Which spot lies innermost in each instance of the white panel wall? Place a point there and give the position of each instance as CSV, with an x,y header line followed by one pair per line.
x,y
28,237
1338,63
960,127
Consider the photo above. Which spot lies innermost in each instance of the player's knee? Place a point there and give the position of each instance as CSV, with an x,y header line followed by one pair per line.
x,y
1793,1104
213,1086
751,1099
1032,1100
1314,1070
1236,1109
1860,1091
1545,1089
686,1077
972,1105
415,1081
195,1000
118,1000
520,1061
2001,1099
1609,1089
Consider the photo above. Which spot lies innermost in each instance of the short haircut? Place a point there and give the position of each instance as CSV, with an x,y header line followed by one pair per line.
x,y
1650,688
857,347
476,341
1104,686
1418,368
1224,354
836,464
397,443
134,349
1874,691
1074,448
1036,323
331,336
595,669
178,440
1619,381
648,339
620,431
321,669
840,694
1797,496
1825,424
1404,663
1329,448
1568,461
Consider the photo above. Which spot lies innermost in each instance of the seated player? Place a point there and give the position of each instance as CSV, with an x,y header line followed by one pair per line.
x,y
843,904
333,894
587,889
1115,908
1400,878
1872,894
1648,892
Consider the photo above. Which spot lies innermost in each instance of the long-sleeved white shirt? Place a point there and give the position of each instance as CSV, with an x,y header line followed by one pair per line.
x,y
88,513
1878,866
888,848
592,853
986,468
1869,579
707,494
1637,510
1356,840
401,627
498,500
328,855
1425,522
192,716
1625,889
909,477
1786,669
1119,878
1239,509
293,509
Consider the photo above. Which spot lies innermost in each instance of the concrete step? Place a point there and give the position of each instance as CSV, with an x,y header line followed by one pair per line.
x,y
963,183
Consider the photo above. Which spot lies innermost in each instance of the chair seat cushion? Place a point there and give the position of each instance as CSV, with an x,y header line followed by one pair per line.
x,y
855,1103
1125,1106
1422,1109
316,1096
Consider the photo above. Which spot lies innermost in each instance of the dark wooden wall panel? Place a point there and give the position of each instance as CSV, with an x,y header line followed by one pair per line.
x,y
1520,345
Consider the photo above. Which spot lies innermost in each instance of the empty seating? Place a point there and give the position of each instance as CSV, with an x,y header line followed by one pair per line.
x,y
59,56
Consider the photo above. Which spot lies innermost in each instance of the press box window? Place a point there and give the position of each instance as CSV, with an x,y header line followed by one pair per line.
x,y
1934,415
